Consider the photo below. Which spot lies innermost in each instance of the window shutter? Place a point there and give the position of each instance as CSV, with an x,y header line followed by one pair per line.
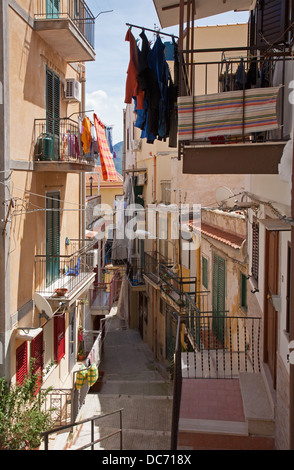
x,y
271,22
219,285
255,250
37,355
59,337
53,110
21,363
52,237
204,272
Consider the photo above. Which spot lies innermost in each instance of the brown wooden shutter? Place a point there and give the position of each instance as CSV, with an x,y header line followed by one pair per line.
x,y
272,22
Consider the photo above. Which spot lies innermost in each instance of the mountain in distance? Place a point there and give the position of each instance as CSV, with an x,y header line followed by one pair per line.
x,y
118,161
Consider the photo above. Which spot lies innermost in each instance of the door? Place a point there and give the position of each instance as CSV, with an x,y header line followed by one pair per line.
x,y
52,114
219,297
52,237
271,288
52,8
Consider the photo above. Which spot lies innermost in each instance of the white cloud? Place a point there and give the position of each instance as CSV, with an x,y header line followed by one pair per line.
x,y
109,109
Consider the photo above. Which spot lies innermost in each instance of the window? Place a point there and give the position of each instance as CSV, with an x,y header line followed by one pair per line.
x,y
59,337
21,363
255,250
205,272
243,293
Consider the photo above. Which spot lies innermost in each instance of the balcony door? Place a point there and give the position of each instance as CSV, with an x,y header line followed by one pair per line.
x,y
219,297
52,237
52,8
52,114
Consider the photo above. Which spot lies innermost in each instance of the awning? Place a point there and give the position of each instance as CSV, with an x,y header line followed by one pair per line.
x,y
168,11
221,114
107,165
275,225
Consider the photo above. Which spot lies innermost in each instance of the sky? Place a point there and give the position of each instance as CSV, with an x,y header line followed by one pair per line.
x,y
106,76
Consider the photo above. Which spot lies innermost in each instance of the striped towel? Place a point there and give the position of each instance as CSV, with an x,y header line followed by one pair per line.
x,y
107,165
222,113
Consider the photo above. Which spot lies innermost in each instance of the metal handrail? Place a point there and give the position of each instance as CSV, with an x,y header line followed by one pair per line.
x,y
84,421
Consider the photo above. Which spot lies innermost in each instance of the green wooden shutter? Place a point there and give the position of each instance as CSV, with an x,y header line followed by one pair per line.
x,y
219,296
204,272
52,237
53,112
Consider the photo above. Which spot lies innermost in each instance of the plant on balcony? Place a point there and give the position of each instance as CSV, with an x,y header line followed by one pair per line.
x,y
22,419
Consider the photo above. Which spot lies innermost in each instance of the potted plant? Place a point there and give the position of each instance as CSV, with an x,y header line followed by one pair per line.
x,y
81,355
22,415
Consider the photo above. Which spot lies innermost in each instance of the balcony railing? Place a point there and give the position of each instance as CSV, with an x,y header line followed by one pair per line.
x,y
58,140
223,345
75,10
104,294
60,276
152,263
229,70
175,286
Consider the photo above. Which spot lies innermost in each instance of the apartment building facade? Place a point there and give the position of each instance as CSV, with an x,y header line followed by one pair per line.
x,y
46,272
267,161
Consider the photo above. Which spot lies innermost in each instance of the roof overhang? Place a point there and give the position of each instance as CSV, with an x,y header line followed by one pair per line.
x,y
168,11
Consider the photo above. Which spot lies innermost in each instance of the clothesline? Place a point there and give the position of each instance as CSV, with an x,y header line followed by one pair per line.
x,y
152,30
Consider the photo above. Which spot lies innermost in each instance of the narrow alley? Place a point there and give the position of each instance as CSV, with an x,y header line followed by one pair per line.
x,y
132,382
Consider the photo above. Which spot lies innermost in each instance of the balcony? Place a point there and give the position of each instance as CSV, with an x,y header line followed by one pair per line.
x,y
135,274
58,147
104,294
68,26
64,278
220,398
232,111
174,287
152,263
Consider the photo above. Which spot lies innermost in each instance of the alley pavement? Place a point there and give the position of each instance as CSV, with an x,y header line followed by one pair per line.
x,y
135,383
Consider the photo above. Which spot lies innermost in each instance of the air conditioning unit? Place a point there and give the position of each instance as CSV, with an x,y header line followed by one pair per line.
x,y
72,90
141,179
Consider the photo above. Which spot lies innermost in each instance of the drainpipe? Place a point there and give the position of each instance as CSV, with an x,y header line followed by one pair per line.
x,y
82,227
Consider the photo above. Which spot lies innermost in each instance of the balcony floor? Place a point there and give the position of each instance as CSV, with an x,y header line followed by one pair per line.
x,y
75,285
218,414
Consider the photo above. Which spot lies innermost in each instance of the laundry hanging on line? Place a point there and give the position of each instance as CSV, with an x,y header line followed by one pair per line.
x,y
150,85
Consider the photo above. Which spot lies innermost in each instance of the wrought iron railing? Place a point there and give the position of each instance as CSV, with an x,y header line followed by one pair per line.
x,y
60,275
152,263
104,294
93,422
58,140
75,10
221,346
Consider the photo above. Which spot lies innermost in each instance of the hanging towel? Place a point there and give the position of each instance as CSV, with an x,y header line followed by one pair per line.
x,y
222,113
82,376
92,374
86,135
107,165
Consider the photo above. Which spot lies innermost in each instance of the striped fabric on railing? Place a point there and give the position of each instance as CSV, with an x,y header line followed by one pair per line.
x,y
222,113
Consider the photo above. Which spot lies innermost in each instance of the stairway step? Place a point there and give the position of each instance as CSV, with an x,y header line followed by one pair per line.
x,y
257,409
